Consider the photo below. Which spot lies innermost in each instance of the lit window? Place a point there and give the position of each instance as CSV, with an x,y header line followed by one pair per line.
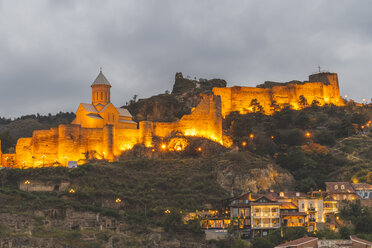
x,y
336,186
342,187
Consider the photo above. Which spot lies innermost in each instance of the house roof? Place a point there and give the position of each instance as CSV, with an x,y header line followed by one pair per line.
x,y
95,116
297,242
361,186
339,187
123,112
126,121
354,238
105,107
287,205
101,80
89,107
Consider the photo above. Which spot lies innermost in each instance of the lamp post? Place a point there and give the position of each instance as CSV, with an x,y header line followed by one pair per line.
x,y
27,183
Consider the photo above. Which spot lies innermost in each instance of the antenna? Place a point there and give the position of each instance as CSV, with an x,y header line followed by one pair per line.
x,y
318,68
100,69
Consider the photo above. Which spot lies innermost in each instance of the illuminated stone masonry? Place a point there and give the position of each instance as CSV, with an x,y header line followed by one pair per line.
x,y
322,88
103,131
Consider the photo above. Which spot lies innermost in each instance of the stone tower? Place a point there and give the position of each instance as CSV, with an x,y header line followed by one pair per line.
x,y
100,91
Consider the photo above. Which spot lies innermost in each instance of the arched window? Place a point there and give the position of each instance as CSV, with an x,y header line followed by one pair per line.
x,y
342,187
336,186
101,95
97,97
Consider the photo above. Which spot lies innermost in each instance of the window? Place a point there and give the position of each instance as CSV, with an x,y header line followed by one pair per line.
x,y
303,205
113,117
336,187
97,96
342,186
101,95
235,212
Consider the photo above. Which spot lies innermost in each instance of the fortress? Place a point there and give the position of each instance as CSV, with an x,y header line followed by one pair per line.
x,y
103,131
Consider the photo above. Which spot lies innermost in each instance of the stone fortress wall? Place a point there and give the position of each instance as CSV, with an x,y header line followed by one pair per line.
x,y
321,87
72,142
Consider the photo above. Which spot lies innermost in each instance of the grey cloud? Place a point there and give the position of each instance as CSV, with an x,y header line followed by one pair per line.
x,y
50,51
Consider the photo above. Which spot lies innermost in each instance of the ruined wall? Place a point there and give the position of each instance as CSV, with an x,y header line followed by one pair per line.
x,y
322,87
204,121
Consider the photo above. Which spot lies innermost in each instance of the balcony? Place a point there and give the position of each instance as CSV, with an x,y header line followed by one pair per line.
x,y
270,215
266,225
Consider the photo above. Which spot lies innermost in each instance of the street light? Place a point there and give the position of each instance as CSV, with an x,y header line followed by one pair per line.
x,y
251,136
308,134
71,191
167,211
118,200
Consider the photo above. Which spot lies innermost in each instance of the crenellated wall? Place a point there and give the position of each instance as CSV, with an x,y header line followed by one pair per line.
x,y
321,87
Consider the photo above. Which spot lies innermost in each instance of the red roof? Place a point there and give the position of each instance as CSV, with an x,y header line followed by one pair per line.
x,y
297,242
339,187
358,240
362,186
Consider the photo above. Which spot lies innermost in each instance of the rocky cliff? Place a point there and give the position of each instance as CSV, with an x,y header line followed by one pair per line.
x,y
172,106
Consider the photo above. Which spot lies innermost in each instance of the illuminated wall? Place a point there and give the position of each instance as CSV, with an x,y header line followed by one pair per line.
x,y
114,131
322,87
204,121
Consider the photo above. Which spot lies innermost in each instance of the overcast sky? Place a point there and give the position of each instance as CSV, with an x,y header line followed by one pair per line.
x,y
51,51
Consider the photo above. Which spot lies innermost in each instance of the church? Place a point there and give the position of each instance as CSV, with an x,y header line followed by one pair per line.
x,y
103,131
101,111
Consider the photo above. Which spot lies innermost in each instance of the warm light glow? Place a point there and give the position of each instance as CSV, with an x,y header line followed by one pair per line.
x,y
362,127
251,136
308,135
163,146
199,149
71,191
272,137
167,211
244,143
337,218
118,200
27,182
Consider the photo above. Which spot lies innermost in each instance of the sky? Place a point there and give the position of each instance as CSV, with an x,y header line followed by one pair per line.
x,y
51,51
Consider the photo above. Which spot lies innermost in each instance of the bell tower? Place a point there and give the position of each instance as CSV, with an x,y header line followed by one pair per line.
x,y
101,90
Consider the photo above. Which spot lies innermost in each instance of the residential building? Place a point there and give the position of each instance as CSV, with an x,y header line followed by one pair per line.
x,y
340,191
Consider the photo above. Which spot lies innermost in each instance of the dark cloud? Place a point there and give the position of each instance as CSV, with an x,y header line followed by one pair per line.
x,y
51,51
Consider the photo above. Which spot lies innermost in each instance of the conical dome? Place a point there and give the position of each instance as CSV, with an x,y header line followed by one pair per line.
x,y
101,80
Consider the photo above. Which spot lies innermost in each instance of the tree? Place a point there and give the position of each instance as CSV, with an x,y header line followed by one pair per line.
x,y
302,101
274,106
261,243
256,106
7,141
